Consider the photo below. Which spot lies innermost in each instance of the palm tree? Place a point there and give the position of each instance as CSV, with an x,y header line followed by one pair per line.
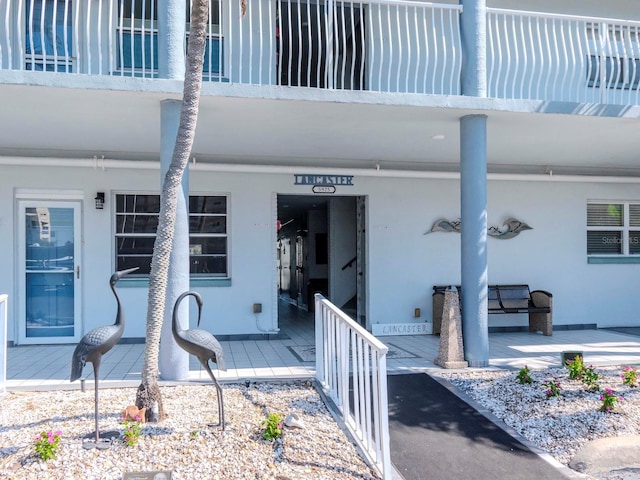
x,y
148,394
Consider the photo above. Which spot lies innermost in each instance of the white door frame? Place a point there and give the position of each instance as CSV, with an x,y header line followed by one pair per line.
x,y
23,203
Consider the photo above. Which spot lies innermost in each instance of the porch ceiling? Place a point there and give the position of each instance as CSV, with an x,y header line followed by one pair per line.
x,y
78,123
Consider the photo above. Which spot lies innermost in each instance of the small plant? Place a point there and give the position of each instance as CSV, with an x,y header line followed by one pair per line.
x,y
590,378
524,376
588,375
132,430
194,433
272,426
552,387
576,367
47,443
609,400
630,376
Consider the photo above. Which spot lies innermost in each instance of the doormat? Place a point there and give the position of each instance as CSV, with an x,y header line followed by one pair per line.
x,y
307,353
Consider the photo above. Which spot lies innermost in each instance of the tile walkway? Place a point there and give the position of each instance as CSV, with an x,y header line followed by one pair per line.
x,y
48,367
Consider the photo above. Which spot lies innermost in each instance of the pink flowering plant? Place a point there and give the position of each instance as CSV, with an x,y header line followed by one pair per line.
x,y
47,444
590,378
587,375
575,367
524,376
552,387
272,427
609,400
132,430
630,376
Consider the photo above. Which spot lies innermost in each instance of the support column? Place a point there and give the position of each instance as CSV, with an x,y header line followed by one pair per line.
x,y
473,188
473,31
173,360
172,18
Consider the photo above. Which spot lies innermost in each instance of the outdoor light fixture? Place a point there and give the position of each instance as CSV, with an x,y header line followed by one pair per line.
x,y
99,200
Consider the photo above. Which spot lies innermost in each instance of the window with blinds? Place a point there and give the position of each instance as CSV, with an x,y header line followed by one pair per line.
x,y
613,228
136,221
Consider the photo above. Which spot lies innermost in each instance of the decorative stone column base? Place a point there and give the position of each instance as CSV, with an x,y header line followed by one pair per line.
x,y
451,353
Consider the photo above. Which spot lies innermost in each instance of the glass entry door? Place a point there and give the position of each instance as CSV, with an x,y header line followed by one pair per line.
x,y
49,246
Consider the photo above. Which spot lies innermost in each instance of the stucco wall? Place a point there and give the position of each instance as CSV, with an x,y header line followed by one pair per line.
x,y
403,263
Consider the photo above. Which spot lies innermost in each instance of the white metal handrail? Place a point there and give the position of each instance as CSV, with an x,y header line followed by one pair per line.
x,y
562,57
3,343
351,365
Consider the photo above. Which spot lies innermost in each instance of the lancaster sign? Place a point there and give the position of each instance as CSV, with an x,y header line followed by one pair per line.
x,y
382,329
324,180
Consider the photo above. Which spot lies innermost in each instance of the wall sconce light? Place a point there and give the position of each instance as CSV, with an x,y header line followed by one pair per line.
x,y
99,200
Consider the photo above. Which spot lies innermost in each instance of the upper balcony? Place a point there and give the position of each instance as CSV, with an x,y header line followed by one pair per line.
x,y
391,46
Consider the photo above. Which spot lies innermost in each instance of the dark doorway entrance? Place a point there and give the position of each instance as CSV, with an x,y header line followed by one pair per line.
x,y
320,45
320,249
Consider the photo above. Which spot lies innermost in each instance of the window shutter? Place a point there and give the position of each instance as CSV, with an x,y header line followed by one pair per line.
x,y
606,215
634,215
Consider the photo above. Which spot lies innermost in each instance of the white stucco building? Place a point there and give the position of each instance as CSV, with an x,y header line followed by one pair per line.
x,y
328,143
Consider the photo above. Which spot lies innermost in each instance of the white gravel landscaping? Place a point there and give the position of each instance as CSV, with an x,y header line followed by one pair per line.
x,y
558,425
183,443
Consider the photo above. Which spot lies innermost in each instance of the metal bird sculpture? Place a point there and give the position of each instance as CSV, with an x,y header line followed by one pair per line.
x,y
203,345
444,225
94,345
509,229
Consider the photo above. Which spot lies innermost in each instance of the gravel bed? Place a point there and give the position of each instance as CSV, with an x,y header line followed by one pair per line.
x,y
183,443
558,425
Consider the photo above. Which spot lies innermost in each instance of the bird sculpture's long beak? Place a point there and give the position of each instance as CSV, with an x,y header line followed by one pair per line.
x,y
118,275
122,273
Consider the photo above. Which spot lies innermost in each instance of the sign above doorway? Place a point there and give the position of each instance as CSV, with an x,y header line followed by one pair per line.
x,y
323,180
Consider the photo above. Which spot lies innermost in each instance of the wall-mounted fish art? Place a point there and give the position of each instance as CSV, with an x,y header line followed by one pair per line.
x,y
444,225
509,228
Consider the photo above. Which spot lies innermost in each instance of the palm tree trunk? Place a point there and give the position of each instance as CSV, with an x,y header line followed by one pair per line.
x,y
148,395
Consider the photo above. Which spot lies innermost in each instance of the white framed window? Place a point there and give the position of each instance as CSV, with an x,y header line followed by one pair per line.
x,y
136,221
613,228
137,39
49,35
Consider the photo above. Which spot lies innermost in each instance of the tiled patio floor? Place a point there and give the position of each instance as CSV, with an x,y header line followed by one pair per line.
x,y
45,367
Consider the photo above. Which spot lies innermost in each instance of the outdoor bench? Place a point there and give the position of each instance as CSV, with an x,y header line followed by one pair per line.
x,y
506,299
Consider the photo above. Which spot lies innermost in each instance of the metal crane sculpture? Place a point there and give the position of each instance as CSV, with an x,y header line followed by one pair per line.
x,y
203,345
94,345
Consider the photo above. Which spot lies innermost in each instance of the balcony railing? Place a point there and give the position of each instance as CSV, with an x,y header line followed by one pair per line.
x,y
379,45
392,46
563,58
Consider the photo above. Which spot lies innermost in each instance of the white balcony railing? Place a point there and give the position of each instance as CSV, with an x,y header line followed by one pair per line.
x,y
351,365
3,343
394,46
379,45
562,58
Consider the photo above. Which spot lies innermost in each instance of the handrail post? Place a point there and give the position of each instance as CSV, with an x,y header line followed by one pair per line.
x,y
319,329
383,402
